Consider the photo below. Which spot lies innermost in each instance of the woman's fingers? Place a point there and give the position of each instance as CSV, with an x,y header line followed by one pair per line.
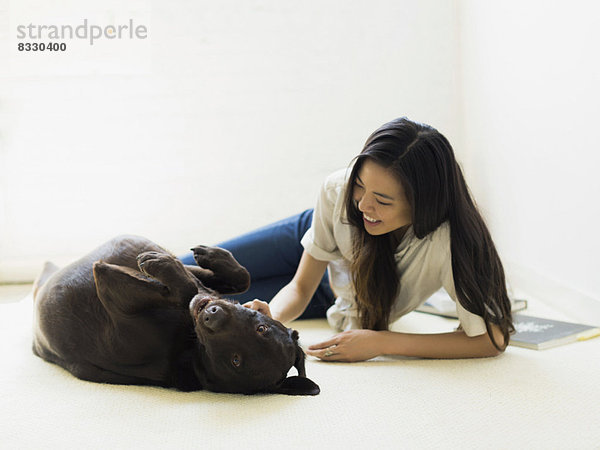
x,y
329,353
260,306
351,345
328,343
327,350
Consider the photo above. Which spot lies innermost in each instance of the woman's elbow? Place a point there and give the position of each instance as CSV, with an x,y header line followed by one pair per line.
x,y
495,352
496,342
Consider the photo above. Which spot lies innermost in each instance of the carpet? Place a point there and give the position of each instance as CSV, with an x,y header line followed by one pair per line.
x,y
523,398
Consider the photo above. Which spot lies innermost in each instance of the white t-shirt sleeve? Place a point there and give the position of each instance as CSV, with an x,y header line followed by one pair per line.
x,y
472,324
319,240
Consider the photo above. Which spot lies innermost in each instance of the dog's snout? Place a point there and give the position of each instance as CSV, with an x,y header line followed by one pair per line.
x,y
214,309
213,316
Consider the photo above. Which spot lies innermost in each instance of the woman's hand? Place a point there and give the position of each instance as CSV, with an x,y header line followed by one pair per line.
x,y
349,346
260,306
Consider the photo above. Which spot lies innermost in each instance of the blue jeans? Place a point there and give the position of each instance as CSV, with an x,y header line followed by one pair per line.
x,y
271,254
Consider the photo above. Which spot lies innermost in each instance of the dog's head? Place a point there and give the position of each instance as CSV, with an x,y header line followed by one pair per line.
x,y
245,351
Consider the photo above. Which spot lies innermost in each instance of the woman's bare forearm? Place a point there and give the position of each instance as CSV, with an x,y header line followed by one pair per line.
x,y
445,345
289,303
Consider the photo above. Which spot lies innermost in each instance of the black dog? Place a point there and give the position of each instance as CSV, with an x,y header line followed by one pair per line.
x,y
132,313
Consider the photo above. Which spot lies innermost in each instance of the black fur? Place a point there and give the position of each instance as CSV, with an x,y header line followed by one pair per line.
x,y
131,313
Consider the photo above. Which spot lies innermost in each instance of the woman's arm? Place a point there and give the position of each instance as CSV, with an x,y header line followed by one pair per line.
x,y
445,345
291,301
359,345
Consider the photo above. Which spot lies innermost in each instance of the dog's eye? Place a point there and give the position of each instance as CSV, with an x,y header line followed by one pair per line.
x,y
236,360
262,328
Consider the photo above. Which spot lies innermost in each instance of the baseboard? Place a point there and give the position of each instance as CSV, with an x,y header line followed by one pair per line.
x,y
17,273
571,302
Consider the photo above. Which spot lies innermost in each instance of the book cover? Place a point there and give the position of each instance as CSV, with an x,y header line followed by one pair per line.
x,y
441,304
540,334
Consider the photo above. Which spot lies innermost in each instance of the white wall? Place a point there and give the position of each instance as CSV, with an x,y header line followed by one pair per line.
x,y
226,118
230,114
531,105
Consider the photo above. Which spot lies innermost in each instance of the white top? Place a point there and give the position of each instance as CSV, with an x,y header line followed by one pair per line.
x,y
424,265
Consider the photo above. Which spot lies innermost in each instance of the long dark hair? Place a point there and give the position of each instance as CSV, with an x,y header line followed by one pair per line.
x,y
423,161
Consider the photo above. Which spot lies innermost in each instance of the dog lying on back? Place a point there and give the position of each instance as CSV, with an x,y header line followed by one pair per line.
x,y
131,313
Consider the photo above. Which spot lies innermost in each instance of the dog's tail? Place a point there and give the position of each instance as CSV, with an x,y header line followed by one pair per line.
x,y
47,271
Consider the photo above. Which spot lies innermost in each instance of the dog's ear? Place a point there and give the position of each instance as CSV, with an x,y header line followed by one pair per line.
x,y
125,291
297,386
300,356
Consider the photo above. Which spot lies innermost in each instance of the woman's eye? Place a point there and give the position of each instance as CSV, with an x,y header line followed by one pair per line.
x,y
262,328
236,360
384,204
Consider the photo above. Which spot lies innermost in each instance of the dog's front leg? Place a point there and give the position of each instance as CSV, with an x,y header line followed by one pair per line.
x,y
219,270
171,272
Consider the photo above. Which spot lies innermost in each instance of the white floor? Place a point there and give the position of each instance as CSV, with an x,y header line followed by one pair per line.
x,y
522,399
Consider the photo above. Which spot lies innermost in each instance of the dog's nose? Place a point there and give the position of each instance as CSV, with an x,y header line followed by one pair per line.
x,y
213,317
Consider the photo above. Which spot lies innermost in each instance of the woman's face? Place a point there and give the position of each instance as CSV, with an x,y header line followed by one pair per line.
x,y
381,199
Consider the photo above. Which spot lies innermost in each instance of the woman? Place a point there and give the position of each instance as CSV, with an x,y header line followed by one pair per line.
x,y
392,229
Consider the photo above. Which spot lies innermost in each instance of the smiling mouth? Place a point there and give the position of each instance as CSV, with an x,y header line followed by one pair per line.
x,y
370,220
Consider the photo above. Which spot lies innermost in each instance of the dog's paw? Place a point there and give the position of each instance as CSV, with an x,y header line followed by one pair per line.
x,y
152,262
213,257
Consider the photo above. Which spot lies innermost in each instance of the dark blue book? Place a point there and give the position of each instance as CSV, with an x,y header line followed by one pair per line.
x,y
540,334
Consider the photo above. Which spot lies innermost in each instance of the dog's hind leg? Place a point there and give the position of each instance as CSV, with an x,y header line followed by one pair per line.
x,y
123,290
47,271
